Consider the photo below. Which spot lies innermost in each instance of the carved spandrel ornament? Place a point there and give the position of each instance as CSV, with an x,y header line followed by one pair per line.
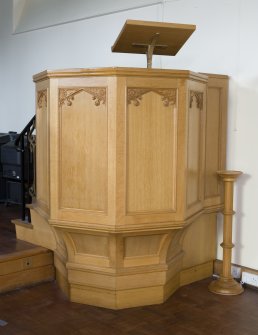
x,y
67,95
168,95
42,98
198,97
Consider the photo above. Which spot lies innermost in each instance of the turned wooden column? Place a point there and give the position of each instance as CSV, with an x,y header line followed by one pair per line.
x,y
226,284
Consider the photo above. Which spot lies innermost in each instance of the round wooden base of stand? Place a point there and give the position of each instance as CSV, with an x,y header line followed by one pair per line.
x,y
226,286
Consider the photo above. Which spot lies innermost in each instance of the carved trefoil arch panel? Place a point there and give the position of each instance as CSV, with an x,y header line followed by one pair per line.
x,y
83,150
151,150
195,140
67,95
168,95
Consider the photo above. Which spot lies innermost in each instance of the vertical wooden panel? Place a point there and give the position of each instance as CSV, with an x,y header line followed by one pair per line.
x,y
148,245
202,230
194,148
212,151
83,151
42,152
216,124
151,154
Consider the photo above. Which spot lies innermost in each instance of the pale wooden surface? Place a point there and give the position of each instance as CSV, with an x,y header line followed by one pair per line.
x,y
83,153
42,153
215,147
24,268
226,285
126,186
118,72
151,155
171,35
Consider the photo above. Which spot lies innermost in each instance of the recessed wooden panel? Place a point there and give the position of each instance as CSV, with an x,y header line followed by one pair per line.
x,y
142,245
212,151
90,244
194,148
83,149
42,152
151,150
199,243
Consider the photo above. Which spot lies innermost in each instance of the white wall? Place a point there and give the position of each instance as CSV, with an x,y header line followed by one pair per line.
x,y
224,42
34,14
79,44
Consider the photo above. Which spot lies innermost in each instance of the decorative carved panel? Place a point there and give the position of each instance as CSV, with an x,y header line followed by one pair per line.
x,y
42,98
42,153
198,96
194,148
168,95
151,150
67,95
83,149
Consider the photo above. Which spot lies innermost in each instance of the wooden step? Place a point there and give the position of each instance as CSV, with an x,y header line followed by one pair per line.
x,y
23,264
37,232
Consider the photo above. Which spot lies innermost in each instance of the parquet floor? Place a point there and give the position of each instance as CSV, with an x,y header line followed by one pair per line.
x,y
192,310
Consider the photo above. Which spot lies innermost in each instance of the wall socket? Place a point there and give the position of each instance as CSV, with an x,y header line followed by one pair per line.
x,y
235,271
250,279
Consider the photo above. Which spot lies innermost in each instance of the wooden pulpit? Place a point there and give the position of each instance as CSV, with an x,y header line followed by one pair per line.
x,y
127,191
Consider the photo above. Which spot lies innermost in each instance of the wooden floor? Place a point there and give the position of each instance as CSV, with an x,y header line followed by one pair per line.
x,y
21,264
192,310
8,242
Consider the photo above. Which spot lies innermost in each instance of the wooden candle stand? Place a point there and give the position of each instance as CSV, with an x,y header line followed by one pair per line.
x,y
226,284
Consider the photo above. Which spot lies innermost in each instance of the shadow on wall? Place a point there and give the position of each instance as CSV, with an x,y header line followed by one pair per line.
x,y
238,217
